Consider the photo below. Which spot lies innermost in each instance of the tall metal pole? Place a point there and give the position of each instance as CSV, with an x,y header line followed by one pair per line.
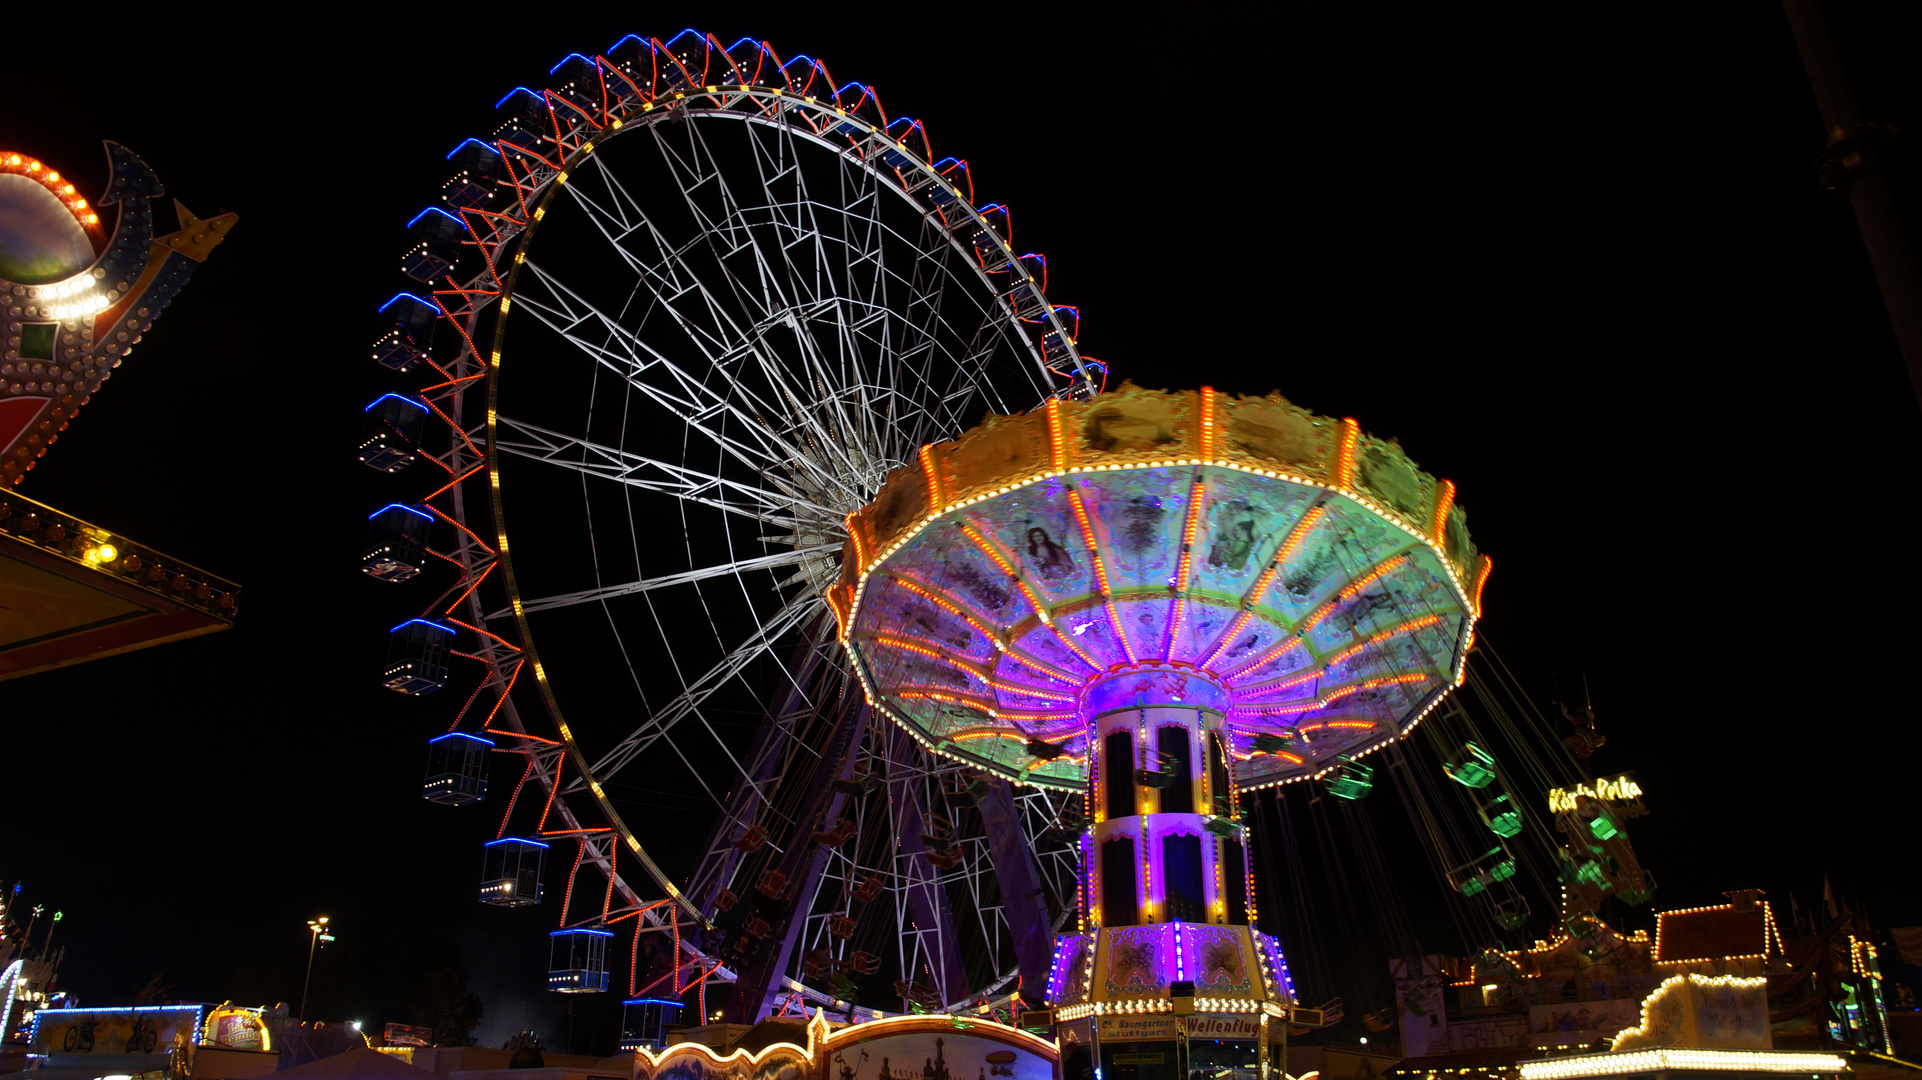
x,y
313,939
1868,188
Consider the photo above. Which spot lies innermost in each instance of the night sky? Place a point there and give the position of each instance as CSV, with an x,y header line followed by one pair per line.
x,y
1575,260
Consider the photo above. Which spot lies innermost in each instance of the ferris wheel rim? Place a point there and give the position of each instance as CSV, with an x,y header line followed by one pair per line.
x,y
1025,329
519,605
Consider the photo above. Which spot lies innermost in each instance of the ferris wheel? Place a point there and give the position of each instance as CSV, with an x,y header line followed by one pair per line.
x,y
674,321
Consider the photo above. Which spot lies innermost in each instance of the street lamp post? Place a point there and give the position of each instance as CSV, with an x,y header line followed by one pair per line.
x,y
316,933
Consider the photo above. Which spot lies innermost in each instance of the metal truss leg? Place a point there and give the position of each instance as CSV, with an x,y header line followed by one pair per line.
x,y
759,984
1019,877
927,894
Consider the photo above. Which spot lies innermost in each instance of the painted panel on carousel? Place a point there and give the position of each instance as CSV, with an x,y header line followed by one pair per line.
x,y
1218,960
1069,978
1133,959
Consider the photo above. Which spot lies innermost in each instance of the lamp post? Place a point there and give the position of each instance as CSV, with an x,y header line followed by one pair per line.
x,y
317,932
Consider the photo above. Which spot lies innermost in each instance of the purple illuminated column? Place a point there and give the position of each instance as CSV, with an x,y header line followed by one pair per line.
x,y
1164,848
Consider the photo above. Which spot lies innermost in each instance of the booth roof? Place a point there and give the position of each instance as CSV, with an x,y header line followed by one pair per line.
x,y
361,1064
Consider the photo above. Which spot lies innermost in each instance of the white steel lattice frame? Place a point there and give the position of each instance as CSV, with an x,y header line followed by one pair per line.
x,y
804,496
921,779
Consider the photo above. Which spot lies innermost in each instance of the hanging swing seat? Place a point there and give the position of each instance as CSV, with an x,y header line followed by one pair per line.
x,y
1351,780
1269,742
1501,817
1511,914
1475,770
1471,881
1224,826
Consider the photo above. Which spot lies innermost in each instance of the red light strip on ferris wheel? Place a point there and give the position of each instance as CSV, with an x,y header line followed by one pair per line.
x,y
607,112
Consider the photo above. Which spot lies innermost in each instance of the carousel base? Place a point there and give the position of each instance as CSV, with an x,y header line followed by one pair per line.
x,y
1158,1002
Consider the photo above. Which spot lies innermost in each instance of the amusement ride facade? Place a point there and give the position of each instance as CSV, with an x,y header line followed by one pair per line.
x,y
74,301
1163,600
1006,689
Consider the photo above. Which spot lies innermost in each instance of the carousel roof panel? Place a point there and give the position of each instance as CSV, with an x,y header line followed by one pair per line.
x,y
1313,570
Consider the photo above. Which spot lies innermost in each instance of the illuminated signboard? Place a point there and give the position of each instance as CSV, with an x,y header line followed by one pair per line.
x,y
147,1029
237,1028
1620,792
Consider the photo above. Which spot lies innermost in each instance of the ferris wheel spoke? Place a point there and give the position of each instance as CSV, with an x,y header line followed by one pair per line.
x,y
765,326
780,291
566,311
687,703
698,404
863,235
706,573
780,508
797,314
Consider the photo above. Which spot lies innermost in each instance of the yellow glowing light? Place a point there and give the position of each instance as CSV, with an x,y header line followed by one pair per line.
x,y
105,553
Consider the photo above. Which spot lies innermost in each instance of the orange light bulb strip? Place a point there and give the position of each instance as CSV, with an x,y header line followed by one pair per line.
x,y
929,650
1286,645
1177,607
1344,469
1355,587
929,693
1444,499
860,548
76,204
1101,574
1286,682
1313,620
941,601
1057,446
1040,610
1205,430
937,500
1260,589
1377,638
1041,667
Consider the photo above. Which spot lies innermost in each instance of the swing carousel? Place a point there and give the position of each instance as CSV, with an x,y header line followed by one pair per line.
x,y
1162,601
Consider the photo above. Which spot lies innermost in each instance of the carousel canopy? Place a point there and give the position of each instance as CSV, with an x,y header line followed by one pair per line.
x,y
1311,570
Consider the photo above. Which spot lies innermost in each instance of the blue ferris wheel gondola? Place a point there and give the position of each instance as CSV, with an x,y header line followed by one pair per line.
x,y
405,337
436,236
465,248
644,1022
392,438
511,872
456,769
417,657
577,960
396,543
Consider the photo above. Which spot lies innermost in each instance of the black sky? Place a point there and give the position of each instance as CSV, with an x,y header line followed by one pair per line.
x,y
1572,256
